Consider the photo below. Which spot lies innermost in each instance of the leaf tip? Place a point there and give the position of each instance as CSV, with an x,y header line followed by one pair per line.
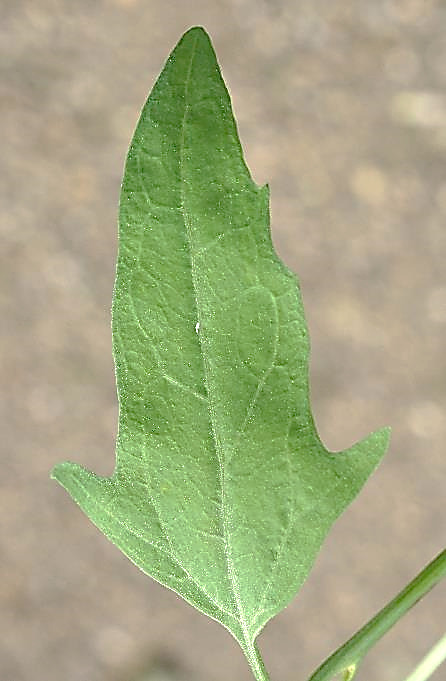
x,y
57,472
196,32
380,440
77,480
366,455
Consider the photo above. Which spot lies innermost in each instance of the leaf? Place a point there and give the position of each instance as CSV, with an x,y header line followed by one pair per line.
x,y
222,490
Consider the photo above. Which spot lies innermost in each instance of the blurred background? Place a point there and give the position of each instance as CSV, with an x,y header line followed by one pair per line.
x,y
341,106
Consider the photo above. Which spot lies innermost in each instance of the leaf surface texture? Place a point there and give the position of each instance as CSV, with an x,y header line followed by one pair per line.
x,y
222,489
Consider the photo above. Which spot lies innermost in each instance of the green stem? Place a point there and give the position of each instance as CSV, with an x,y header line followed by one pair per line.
x,y
430,662
255,661
352,652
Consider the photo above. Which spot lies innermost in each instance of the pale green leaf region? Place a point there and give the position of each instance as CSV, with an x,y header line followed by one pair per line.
x,y
222,489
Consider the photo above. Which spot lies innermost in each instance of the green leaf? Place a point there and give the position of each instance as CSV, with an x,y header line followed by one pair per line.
x,y
222,490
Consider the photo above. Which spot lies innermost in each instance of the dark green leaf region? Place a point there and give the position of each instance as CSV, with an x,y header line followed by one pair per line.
x,y
222,489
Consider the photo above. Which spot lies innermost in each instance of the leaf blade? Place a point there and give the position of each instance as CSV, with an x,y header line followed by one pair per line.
x,y
219,464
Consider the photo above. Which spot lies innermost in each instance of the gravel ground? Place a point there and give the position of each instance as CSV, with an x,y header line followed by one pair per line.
x,y
342,109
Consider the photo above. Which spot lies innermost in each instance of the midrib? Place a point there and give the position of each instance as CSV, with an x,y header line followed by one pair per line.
x,y
208,373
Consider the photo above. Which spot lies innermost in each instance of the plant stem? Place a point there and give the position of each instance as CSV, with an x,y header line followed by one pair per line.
x,y
255,661
352,652
430,662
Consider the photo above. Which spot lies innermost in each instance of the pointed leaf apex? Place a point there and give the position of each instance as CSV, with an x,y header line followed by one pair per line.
x,y
82,485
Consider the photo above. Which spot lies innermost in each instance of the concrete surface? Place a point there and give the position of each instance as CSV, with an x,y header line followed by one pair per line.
x,y
342,108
